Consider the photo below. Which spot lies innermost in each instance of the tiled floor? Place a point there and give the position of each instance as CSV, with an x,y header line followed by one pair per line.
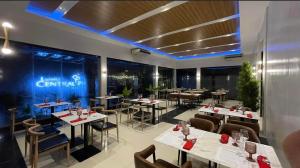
x,y
120,155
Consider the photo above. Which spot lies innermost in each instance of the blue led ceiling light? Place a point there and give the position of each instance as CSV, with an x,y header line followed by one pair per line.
x,y
57,16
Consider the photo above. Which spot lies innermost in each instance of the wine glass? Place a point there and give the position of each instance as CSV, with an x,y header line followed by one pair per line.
x,y
250,147
235,136
244,134
186,131
88,109
79,112
70,109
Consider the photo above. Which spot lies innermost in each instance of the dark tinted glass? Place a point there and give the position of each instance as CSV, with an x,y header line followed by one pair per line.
x,y
186,78
165,79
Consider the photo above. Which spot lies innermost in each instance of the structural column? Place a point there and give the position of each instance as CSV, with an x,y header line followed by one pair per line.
x,y
198,78
156,76
103,78
174,79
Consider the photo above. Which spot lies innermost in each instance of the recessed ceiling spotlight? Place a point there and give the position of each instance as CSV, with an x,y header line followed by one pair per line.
x,y
158,48
140,41
187,50
199,40
206,47
134,21
111,31
165,9
7,25
159,36
176,45
228,35
6,51
187,29
232,44
222,20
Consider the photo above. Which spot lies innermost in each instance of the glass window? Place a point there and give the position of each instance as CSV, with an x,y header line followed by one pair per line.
x,y
34,73
186,78
165,79
135,76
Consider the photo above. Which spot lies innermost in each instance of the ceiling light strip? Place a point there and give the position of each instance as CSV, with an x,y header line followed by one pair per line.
x,y
191,27
146,15
188,42
204,48
208,53
64,7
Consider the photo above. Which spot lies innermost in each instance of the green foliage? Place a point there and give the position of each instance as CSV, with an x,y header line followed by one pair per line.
x,y
126,92
248,87
152,90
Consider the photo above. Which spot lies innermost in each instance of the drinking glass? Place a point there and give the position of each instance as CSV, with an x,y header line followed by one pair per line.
x,y
88,109
244,134
235,136
79,112
70,109
250,147
186,132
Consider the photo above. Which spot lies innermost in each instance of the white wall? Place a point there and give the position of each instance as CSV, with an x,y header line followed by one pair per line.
x,y
283,72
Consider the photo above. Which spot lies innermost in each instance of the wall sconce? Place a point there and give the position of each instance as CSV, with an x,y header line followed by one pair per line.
x,y
6,49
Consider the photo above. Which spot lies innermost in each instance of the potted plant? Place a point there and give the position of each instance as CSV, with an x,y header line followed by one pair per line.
x,y
126,92
248,87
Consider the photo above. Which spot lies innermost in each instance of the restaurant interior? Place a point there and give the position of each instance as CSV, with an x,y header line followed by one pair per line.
x,y
149,84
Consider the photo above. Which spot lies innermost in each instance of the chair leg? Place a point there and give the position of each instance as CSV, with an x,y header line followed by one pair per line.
x,y
118,134
92,135
178,157
81,130
25,147
68,154
101,140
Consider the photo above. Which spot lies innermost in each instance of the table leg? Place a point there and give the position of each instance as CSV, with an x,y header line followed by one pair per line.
x,y
183,157
52,117
178,101
72,136
85,135
153,114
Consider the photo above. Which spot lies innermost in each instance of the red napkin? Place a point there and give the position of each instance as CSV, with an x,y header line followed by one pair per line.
x,y
249,115
65,115
91,112
77,120
45,104
261,160
189,144
216,110
224,138
231,109
206,106
176,128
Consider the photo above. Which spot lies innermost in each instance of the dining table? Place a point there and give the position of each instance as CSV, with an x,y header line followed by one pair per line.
x,y
147,101
52,106
207,145
230,112
179,95
108,98
72,119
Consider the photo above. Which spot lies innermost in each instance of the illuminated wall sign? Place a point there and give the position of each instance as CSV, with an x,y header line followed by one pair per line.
x,y
57,82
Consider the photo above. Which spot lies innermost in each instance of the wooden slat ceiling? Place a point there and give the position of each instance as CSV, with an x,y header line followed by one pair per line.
x,y
48,6
207,51
213,30
202,44
185,15
104,15
107,14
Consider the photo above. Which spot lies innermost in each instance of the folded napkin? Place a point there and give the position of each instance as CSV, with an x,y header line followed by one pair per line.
x,y
224,138
77,120
216,110
262,162
91,112
249,115
189,144
231,109
64,115
206,106
176,128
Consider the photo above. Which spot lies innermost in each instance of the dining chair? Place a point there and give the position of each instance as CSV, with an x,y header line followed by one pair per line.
x,y
160,108
140,160
141,115
202,124
12,112
215,120
291,148
254,126
38,146
49,131
106,125
228,128
172,98
126,108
